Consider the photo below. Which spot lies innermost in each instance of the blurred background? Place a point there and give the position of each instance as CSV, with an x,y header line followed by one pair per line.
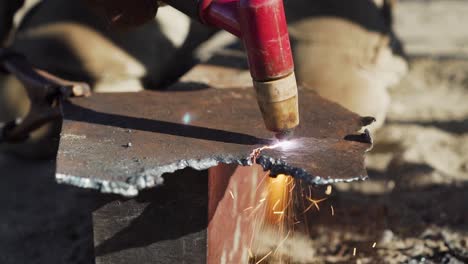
x,y
413,208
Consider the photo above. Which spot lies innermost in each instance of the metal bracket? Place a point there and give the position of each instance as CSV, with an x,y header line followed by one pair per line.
x,y
45,91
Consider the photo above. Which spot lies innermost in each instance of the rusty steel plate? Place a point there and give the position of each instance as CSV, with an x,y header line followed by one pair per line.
x,y
123,143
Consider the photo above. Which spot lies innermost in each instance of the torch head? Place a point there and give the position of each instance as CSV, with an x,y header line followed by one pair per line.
x,y
266,39
278,102
285,135
262,26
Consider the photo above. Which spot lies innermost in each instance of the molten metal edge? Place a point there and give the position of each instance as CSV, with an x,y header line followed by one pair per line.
x,y
153,177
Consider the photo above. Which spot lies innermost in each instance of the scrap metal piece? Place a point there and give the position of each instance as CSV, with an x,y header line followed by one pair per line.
x,y
169,131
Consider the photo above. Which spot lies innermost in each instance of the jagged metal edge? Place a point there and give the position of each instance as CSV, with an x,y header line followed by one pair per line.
x,y
153,177
121,188
280,167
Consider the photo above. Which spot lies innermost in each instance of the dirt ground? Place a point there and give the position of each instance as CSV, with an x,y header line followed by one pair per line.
x,y
414,207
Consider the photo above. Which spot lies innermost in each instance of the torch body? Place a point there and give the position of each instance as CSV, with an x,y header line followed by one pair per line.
x,y
262,26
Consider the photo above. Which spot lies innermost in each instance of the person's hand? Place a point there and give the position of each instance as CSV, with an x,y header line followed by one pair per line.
x,y
125,13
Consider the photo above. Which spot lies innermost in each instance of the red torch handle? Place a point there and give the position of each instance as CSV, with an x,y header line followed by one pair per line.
x,y
261,24
265,35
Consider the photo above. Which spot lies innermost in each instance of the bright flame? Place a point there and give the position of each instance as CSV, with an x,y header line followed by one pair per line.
x,y
283,209
284,145
277,199
284,205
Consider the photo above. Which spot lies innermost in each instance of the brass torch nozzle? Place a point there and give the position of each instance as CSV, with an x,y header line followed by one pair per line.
x,y
278,102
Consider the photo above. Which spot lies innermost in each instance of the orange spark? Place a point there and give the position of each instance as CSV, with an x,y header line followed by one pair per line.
x,y
266,256
256,209
277,202
248,208
316,202
292,188
261,181
328,191
308,208
354,251
375,244
282,241
332,210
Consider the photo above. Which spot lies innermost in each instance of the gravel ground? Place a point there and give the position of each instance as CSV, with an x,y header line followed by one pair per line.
x,y
414,206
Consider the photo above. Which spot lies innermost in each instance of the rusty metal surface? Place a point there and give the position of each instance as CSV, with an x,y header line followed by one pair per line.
x,y
123,143
232,189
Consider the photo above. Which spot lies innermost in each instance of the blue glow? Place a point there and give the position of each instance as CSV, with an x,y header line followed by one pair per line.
x,y
186,118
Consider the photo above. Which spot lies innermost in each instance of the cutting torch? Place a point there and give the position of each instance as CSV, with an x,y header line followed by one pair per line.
x,y
262,27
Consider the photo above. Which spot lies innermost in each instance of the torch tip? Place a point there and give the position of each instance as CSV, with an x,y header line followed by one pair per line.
x,y
285,134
